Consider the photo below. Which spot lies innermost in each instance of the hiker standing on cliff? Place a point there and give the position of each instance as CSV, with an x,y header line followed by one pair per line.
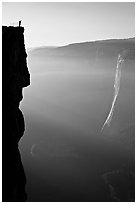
x,y
19,23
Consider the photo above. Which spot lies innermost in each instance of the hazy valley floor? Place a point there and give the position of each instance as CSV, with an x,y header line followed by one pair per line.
x,y
65,156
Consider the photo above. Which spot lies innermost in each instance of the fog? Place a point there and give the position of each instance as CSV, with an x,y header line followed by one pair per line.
x,y
64,153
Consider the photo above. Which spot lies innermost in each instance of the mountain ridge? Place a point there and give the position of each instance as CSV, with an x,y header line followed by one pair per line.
x,y
92,49
82,43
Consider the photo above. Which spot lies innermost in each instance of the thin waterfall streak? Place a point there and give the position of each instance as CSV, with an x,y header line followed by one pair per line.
x,y
32,148
109,117
120,60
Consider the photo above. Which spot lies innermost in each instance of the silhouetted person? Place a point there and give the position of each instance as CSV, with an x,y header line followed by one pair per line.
x,y
19,23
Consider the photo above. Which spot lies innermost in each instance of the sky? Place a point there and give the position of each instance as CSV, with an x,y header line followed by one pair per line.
x,y
62,23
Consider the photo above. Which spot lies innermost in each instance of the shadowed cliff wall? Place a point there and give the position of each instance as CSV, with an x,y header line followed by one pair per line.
x,y
15,77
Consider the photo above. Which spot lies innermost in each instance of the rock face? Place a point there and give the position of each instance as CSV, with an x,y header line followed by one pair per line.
x,y
15,76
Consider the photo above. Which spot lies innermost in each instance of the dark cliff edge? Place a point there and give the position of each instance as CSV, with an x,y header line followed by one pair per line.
x,y
15,76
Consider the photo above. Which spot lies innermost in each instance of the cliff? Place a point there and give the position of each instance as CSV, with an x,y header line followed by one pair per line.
x,y
15,76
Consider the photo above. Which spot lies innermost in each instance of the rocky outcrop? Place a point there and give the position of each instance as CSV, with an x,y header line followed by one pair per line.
x,y
15,76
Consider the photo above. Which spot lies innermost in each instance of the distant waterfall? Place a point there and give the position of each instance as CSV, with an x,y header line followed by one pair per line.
x,y
120,61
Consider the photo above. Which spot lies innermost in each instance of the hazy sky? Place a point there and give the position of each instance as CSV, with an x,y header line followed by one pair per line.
x,y
55,23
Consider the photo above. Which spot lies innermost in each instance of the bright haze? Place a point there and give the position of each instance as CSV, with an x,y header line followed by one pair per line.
x,y
62,23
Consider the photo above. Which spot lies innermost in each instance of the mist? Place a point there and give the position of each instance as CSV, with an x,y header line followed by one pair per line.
x,y
65,155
